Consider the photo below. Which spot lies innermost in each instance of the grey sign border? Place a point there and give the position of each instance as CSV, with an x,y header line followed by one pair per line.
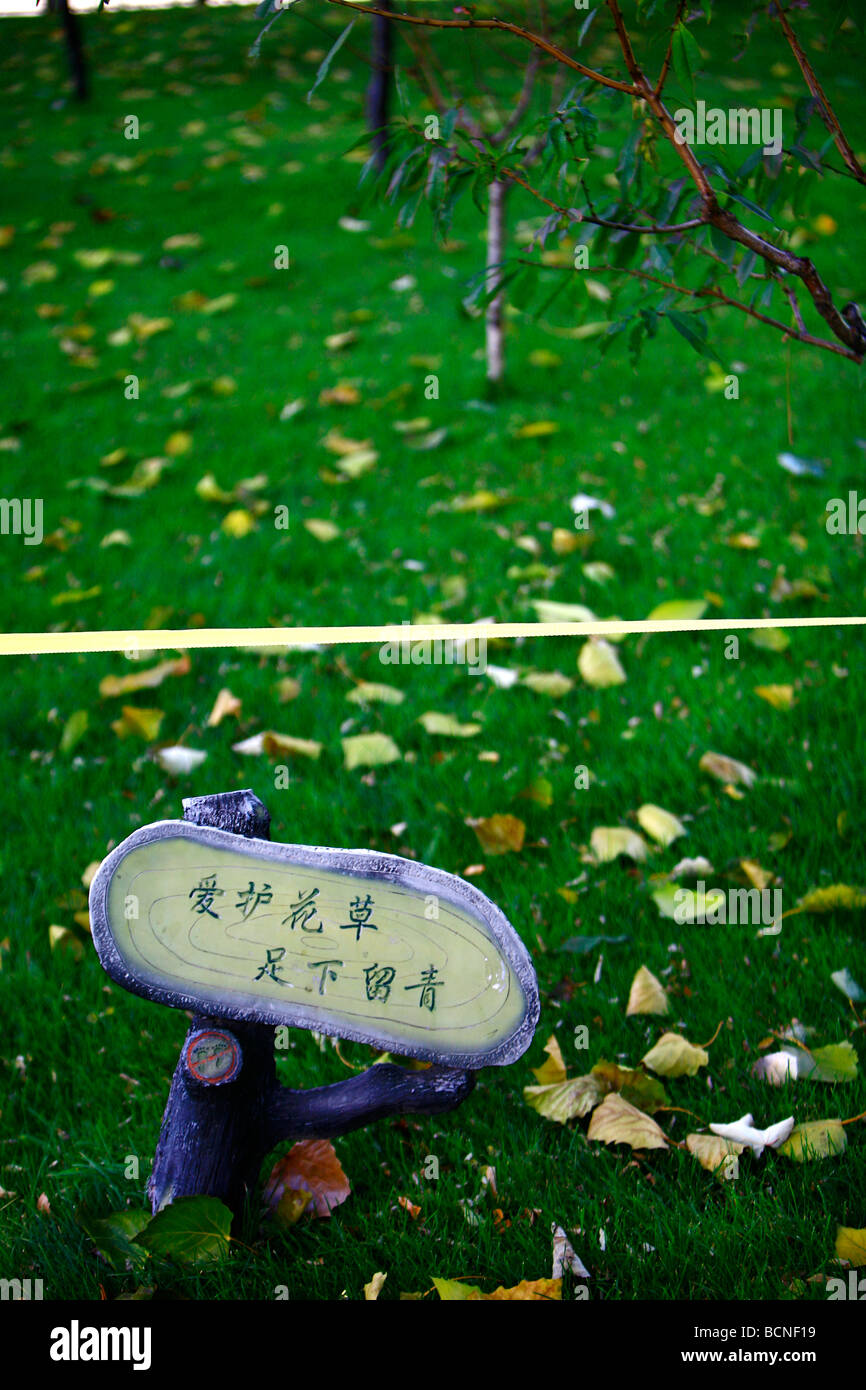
x,y
363,863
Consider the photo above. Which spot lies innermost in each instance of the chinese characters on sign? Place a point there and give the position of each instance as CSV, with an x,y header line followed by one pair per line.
x,y
379,980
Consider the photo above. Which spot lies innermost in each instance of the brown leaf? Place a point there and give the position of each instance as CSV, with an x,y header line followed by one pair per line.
x,y
225,704
147,679
499,834
311,1166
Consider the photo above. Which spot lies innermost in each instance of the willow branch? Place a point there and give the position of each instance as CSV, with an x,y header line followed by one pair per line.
x,y
828,115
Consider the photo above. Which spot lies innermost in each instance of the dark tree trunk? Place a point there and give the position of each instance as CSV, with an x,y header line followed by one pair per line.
x,y
379,89
74,48
215,1137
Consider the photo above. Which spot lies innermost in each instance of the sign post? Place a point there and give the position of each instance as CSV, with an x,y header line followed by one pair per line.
x,y
207,914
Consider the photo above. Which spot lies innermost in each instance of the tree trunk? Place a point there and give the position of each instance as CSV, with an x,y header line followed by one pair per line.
x,y
379,88
74,48
494,338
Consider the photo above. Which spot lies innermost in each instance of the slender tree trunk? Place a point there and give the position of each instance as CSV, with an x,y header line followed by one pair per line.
x,y
74,48
379,88
494,338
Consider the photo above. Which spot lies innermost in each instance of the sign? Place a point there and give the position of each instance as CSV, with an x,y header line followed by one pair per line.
x,y
355,943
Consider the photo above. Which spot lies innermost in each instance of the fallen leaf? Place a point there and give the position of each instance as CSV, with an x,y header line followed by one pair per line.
x,y
815,1139
311,1166
374,1287
727,769
499,834
372,692
238,523
661,825
144,723
553,1070
851,1245
678,609
844,980
599,664
835,896
411,1207
608,842
548,611
225,705
617,1122
647,995
322,530
743,1131
835,1062
446,724
566,1100
711,1151
63,940
179,761
779,696
564,1257
148,679
74,730
369,750
674,1055
552,683
776,1068
640,1090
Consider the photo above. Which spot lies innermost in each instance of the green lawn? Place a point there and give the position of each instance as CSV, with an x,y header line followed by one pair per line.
x,y
87,1066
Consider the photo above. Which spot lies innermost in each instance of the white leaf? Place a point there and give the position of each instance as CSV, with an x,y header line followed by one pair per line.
x,y
179,761
776,1068
743,1131
581,502
564,1257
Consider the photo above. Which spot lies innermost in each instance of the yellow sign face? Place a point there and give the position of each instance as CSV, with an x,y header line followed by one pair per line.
x,y
350,942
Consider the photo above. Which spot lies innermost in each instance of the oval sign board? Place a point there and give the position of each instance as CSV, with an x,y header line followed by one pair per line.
x,y
355,943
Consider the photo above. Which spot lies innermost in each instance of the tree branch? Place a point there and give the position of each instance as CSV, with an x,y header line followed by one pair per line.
x,y
828,115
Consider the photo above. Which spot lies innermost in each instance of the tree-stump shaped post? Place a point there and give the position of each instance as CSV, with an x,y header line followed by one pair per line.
x,y
226,1110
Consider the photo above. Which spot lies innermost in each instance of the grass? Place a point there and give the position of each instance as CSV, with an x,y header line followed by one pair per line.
x,y
71,1117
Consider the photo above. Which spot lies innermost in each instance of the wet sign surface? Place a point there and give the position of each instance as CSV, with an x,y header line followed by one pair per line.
x,y
349,942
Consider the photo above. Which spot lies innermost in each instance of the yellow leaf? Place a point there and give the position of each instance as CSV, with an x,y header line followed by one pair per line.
x,y
834,897
553,1070
483,501
815,1139
851,1245
238,523
499,834
142,722
711,1151
549,611
147,679
727,769
275,744
357,464
770,639
779,696
758,877
182,241
564,542
369,750
374,1288
661,825
552,683
76,596
100,287
673,1055
647,995
608,842
617,1122
454,1291
322,530
65,941
220,304
565,1100
537,429
369,692
115,538
446,724
341,394
178,443
683,609
225,704
529,1290
599,664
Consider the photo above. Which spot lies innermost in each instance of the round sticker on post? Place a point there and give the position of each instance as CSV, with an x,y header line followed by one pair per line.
x,y
212,1056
